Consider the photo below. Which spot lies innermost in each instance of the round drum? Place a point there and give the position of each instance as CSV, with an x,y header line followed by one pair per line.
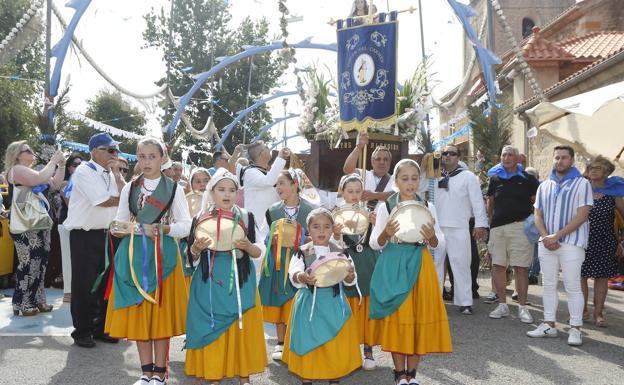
x,y
286,231
311,195
411,215
329,269
222,222
353,217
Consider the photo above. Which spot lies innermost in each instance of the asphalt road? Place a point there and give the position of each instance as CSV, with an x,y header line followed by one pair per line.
x,y
485,352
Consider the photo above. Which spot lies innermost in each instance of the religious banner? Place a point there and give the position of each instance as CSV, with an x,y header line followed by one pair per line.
x,y
367,64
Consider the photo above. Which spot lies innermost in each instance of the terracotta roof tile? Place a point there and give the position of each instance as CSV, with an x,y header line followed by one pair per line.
x,y
571,77
541,49
595,45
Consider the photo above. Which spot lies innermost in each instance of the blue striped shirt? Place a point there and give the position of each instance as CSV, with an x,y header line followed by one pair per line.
x,y
559,206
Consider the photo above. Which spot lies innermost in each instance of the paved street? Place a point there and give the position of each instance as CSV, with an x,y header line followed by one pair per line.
x,y
486,352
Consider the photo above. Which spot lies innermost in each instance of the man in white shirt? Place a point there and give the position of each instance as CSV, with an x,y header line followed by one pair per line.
x,y
379,184
457,197
258,179
92,207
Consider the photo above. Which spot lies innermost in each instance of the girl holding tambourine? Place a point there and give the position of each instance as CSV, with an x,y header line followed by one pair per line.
x,y
322,336
405,294
364,257
276,290
225,333
148,300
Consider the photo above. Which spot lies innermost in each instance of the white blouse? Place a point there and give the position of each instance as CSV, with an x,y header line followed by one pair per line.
x,y
382,220
297,265
181,221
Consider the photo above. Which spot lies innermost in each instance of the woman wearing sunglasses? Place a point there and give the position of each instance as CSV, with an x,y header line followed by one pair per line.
x,y
32,246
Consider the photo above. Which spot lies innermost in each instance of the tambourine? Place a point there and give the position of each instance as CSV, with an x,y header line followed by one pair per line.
x,y
353,218
286,231
311,195
124,227
194,200
411,215
329,269
220,227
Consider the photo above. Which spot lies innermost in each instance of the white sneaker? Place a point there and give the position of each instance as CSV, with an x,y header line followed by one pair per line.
x,y
525,315
144,380
502,310
157,381
543,330
403,382
369,364
277,352
575,337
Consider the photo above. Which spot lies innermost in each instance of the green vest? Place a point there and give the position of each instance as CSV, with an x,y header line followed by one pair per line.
x,y
144,249
274,287
156,205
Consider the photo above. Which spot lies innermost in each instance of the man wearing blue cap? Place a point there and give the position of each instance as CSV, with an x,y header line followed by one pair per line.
x,y
92,207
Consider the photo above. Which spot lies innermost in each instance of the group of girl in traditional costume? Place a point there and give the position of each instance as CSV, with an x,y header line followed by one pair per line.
x,y
390,299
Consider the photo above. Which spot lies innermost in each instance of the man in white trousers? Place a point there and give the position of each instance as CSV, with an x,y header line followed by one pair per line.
x,y
562,206
458,197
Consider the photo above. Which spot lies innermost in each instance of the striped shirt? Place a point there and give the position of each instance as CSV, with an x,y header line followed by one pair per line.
x,y
559,204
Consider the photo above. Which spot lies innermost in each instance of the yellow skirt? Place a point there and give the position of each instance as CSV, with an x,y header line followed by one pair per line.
x,y
187,281
368,329
148,321
278,314
420,325
237,352
336,359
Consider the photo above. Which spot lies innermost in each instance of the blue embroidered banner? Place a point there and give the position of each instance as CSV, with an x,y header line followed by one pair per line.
x,y
367,61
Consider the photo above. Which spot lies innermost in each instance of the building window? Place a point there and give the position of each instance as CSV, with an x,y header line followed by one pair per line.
x,y
527,27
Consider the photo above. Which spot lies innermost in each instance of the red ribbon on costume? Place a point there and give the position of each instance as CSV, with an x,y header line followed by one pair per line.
x,y
159,272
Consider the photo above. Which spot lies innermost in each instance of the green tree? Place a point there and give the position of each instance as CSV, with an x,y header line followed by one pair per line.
x,y
192,35
491,132
112,109
19,99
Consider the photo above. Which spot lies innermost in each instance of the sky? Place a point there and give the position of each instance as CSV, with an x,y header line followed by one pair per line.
x,y
111,31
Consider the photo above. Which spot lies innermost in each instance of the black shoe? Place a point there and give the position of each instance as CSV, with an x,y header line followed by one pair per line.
x,y
106,338
533,280
85,341
467,310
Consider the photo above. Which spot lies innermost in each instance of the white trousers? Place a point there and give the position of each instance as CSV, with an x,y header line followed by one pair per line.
x,y
65,258
439,257
569,259
459,255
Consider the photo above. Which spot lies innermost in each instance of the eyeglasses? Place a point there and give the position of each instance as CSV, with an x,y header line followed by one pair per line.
x,y
449,153
111,150
75,164
28,150
124,170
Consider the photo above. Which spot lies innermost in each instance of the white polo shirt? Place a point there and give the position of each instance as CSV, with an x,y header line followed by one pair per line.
x,y
91,188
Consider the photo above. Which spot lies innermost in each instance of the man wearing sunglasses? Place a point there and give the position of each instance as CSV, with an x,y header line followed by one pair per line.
x,y
457,198
92,207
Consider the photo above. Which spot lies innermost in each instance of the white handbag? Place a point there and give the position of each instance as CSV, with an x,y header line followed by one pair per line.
x,y
29,211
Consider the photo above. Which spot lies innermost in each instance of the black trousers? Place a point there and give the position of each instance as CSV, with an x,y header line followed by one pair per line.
x,y
475,261
87,259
